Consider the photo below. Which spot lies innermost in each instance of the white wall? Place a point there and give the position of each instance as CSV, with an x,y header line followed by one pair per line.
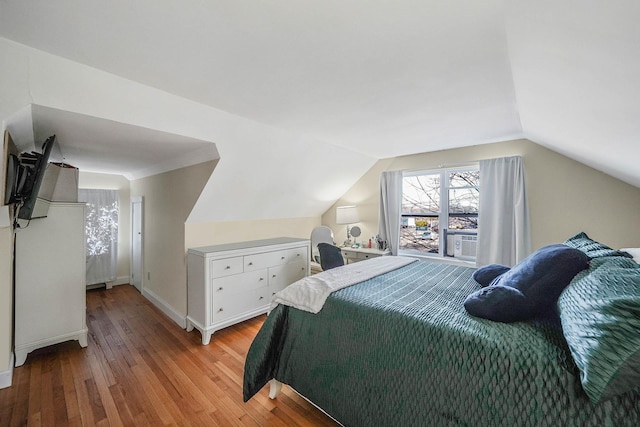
x,y
167,200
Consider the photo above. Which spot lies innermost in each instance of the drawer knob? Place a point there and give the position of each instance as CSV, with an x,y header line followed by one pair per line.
x,y
281,257
261,279
261,298
273,275
220,288
251,263
220,309
228,267
297,254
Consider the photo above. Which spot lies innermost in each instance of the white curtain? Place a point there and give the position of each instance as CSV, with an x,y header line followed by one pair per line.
x,y
390,204
503,225
101,228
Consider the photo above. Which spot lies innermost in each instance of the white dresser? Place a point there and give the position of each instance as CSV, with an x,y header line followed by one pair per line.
x,y
50,282
234,282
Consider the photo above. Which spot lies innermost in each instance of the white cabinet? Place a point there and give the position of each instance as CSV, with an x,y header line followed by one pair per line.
x,y
234,282
50,288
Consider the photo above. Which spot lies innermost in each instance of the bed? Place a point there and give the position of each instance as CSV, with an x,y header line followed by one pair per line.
x,y
400,349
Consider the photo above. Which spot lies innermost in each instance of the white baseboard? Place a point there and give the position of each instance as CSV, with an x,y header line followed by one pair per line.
x,y
179,318
122,280
6,377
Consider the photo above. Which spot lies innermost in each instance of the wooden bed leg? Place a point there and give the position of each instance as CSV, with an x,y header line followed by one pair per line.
x,y
274,388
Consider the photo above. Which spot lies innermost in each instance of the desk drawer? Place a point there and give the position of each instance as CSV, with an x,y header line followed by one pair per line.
x,y
349,254
364,255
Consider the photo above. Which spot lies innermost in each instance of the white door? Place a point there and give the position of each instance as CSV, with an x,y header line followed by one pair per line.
x,y
136,242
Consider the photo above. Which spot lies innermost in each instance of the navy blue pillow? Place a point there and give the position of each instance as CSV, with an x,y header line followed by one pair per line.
x,y
485,275
498,303
540,279
330,256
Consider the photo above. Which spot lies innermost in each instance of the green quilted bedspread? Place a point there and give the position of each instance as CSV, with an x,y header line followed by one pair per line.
x,y
400,350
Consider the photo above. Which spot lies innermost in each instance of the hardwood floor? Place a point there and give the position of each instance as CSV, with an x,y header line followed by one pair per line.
x,y
141,369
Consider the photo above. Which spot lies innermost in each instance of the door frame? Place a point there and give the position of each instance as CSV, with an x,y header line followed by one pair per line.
x,y
134,200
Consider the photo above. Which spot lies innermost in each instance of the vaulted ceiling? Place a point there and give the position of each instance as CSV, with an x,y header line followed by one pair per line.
x,y
383,78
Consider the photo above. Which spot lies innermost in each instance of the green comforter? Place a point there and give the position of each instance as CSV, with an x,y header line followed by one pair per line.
x,y
400,350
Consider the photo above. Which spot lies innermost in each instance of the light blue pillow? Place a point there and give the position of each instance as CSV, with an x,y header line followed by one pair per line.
x,y
600,315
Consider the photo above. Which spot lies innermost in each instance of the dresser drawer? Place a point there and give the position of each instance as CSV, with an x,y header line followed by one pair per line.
x,y
226,266
296,255
260,261
239,283
269,259
284,275
227,306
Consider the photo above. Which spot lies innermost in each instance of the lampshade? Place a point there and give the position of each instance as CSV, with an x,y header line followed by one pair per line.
x,y
347,215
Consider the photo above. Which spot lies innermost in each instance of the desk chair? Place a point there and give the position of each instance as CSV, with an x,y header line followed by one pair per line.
x,y
330,256
321,234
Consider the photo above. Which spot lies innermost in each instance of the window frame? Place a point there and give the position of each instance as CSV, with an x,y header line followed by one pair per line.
x,y
444,213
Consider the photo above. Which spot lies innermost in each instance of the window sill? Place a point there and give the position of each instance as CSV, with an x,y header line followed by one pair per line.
x,y
447,260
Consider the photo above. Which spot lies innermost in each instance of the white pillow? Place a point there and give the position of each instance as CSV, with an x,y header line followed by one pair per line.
x,y
635,252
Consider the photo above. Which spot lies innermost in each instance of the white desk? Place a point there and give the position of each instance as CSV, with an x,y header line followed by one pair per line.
x,y
359,254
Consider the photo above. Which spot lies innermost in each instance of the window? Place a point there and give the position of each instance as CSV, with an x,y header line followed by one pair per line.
x,y
439,213
101,229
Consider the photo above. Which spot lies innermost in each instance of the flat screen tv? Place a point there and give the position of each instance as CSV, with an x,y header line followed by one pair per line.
x,y
24,176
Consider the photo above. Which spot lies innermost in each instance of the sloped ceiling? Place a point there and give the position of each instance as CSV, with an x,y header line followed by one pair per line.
x,y
380,78
114,147
575,70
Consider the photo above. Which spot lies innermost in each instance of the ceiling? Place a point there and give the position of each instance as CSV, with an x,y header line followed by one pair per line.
x,y
146,151
376,77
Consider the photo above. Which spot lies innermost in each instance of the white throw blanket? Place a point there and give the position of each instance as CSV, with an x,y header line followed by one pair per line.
x,y
310,293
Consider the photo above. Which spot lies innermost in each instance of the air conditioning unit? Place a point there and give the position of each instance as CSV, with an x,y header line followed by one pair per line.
x,y
465,246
